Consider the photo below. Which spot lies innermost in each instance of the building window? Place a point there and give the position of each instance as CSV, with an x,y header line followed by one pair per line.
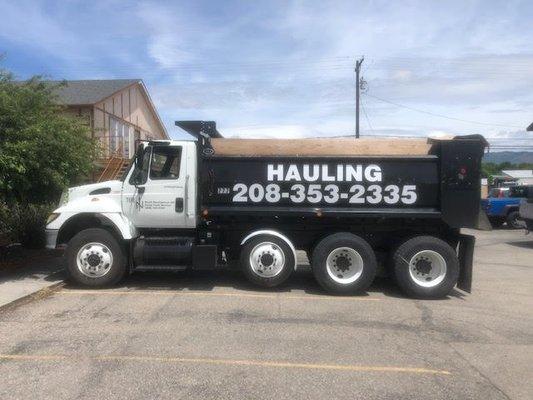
x,y
120,137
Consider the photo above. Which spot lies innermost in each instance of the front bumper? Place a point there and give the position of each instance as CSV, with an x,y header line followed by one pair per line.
x,y
51,238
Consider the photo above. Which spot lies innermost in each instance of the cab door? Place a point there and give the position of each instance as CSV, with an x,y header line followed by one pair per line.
x,y
157,194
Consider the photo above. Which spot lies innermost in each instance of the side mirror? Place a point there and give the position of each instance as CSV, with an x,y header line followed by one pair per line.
x,y
139,156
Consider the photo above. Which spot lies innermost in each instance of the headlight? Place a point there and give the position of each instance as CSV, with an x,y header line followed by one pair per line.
x,y
52,218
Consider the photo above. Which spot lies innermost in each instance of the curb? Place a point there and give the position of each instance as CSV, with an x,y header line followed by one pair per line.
x,y
37,295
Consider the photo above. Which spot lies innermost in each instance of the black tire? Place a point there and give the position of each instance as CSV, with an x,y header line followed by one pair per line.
x,y
405,253
332,245
117,269
280,247
514,221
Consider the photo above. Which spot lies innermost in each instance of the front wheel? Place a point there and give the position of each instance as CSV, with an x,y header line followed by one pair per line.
x,y
344,263
426,267
94,258
514,221
267,260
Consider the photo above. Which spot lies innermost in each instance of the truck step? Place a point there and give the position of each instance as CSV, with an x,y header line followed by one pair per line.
x,y
152,251
169,240
145,268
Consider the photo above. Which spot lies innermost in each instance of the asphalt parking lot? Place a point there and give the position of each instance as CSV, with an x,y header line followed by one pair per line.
x,y
212,335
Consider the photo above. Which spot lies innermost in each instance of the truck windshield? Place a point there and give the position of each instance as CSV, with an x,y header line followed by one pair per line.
x,y
127,171
140,175
499,193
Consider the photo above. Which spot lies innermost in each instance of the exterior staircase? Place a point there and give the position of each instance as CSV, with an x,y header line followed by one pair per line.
x,y
115,166
114,161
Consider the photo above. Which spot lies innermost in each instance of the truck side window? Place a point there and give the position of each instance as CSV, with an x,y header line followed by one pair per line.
x,y
165,163
140,175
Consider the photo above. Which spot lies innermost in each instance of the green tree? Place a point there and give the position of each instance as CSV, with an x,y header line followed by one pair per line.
x,y
489,169
42,149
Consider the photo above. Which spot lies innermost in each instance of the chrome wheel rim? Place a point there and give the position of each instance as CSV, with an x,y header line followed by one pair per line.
x,y
344,265
267,259
427,268
94,260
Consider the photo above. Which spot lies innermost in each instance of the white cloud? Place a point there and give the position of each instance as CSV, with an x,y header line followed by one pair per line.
x,y
168,42
286,68
26,24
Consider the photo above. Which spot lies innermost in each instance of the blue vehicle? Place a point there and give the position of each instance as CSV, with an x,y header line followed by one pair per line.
x,y
502,206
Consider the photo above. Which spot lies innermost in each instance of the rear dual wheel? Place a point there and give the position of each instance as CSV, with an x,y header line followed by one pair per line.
x,y
426,267
344,263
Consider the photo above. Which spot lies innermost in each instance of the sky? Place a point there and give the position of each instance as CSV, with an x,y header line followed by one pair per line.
x,y
286,68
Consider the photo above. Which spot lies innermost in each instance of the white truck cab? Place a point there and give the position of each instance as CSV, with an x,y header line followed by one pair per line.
x,y
159,194
104,222
163,193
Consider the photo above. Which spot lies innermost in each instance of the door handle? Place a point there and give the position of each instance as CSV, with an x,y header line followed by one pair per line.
x,y
186,195
179,204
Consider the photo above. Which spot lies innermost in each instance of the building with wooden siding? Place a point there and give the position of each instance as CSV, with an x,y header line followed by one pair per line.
x,y
119,112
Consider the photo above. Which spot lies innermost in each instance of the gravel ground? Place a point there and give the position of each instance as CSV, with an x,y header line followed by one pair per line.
x,y
212,335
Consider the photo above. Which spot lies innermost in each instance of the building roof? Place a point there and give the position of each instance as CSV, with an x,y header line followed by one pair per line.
x,y
85,92
519,173
526,181
91,91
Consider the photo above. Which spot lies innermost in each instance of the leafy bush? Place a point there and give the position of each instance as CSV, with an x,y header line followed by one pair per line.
x,y
25,224
4,213
43,150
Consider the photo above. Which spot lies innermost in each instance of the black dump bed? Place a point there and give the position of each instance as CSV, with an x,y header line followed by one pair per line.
x,y
437,179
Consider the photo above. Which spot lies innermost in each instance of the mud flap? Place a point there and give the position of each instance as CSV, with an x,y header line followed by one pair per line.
x,y
466,260
483,223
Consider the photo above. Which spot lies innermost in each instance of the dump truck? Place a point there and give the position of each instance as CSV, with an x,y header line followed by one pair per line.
x,y
357,207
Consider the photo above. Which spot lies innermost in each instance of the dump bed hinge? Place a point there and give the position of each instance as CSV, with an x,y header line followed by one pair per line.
x,y
200,129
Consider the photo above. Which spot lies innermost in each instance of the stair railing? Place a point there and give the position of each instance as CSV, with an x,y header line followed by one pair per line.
x,y
115,159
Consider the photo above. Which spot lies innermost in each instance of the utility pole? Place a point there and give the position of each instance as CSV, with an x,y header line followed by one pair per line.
x,y
357,88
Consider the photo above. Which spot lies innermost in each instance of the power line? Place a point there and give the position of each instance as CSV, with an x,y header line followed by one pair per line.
x,y
511,147
440,115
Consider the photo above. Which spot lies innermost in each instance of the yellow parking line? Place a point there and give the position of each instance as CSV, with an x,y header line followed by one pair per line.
x,y
218,361
30,357
210,294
